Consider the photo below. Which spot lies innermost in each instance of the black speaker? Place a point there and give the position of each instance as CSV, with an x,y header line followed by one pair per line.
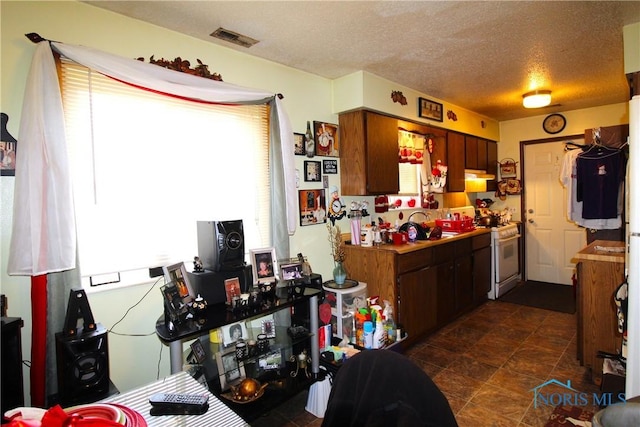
x,y
210,284
83,366
221,245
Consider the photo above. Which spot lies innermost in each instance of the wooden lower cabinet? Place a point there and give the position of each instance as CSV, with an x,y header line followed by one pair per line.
x,y
599,275
417,301
428,287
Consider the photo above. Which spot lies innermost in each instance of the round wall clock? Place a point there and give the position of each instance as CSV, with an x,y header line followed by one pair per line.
x,y
554,123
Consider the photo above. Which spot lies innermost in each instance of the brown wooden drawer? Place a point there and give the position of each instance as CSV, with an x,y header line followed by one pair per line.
x,y
479,242
415,260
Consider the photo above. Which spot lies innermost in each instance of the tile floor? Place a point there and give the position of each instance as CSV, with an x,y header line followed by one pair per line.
x,y
486,363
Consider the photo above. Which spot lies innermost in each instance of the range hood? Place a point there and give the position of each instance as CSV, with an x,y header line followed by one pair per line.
x,y
478,174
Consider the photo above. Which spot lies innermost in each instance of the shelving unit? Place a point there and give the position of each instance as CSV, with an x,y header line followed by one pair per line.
x,y
288,307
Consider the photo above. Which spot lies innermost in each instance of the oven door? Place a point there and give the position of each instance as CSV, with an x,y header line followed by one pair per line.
x,y
507,258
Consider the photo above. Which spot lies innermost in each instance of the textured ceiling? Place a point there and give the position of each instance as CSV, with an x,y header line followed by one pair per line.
x,y
481,56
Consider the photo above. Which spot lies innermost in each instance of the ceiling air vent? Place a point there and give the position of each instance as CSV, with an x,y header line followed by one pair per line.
x,y
233,37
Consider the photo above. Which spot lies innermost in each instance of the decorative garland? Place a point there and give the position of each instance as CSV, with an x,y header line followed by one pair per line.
x,y
178,64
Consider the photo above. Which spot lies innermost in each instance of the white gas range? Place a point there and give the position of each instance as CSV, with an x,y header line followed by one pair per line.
x,y
505,259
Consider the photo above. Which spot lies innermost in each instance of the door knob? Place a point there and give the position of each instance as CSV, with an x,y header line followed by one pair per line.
x,y
530,211
530,221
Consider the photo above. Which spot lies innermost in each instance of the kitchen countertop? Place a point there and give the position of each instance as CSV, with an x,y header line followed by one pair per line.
x,y
422,244
602,250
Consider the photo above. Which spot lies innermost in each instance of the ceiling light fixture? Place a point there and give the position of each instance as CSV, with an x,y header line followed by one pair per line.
x,y
536,99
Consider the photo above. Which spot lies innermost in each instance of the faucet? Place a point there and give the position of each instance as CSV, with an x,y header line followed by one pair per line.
x,y
426,214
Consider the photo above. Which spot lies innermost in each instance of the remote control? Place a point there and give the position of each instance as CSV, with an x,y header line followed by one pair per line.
x,y
178,404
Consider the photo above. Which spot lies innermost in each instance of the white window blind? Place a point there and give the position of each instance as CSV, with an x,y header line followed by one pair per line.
x,y
146,167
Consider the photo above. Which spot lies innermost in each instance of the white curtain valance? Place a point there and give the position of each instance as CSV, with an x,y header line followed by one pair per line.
x,y
43,236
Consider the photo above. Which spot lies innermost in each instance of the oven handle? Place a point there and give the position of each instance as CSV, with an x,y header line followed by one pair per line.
x,y
508,239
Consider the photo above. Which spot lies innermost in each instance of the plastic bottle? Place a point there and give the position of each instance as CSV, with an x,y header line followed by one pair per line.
x,y
389,324
378,335
368,334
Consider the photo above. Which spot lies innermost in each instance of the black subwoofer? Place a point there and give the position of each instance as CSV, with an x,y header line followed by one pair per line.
x,y
83,366
221,245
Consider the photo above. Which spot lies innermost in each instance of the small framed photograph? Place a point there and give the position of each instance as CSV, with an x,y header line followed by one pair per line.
x,y
229,370
234,332
298,144
271,360
177,273
175,306
263,264
312,207
330,166
429,109
198,351
291,271
232,289
326,135
268,326
312,172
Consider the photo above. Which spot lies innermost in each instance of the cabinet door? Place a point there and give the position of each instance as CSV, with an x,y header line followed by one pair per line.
x,y
446,293
481,274
455,162
382,154
464,283
492,164
471,152
482,154
417,301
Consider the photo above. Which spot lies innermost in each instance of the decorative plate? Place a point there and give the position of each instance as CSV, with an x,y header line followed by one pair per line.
x,y
230,396
554,123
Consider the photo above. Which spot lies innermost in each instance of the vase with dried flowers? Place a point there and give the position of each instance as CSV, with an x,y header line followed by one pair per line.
x,y
337,251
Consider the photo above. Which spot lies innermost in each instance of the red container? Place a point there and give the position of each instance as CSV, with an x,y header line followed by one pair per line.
x,y
459,226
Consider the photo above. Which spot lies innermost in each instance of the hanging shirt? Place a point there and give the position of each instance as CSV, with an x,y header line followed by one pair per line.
x,y
568,178
599,171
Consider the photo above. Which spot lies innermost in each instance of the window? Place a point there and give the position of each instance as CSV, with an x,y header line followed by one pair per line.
x,y
409,176
146,167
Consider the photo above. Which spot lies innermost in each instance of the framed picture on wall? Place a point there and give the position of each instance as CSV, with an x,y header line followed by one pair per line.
x,y
312,207
428,109
326,135
298,144
312,172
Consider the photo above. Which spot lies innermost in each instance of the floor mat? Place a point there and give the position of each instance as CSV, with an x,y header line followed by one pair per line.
x,y
549,296
560,414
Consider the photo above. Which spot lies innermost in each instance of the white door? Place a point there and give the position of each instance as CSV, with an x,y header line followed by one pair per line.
x,y
551,239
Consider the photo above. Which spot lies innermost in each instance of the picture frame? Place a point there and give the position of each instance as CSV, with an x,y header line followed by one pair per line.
x,y
298,144
234,332
431,110
272,360
312,171
263,264
327,139
268,326
291,271
312,206
174,306
198,351
177,273
330,166
230,371
232,289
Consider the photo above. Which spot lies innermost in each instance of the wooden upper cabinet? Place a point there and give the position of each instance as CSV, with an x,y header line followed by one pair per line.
x,y
471,152
455,161
475,153
482,154
368,154
492,164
